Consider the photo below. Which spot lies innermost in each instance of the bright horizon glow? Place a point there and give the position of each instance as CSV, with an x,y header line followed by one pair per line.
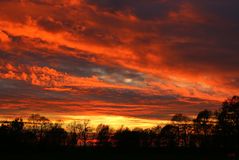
x,y
115,122
118,121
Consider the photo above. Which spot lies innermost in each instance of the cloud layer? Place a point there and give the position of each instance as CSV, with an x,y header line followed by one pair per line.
x,y
145,59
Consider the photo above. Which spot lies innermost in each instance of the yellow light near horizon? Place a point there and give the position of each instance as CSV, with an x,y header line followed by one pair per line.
x,y
117,121
114,122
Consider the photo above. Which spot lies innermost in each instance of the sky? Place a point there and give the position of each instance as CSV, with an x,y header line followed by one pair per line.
x,y
143,60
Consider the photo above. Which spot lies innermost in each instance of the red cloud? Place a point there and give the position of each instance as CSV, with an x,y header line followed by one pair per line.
x,y
177,47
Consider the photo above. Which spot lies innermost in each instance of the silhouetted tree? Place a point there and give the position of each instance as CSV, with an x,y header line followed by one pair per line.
x,y
203,122
17,125
204,127
208,130
75,128
124,138
228,122
13,133
169,136
55,136
154,136
39,126
34,118
6,137
84,133
103,134
38,120
143,136
182,122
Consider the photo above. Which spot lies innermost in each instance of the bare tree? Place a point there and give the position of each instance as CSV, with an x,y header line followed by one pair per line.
x,y
79,130
84,135
103,133
38,121
75,128
183,128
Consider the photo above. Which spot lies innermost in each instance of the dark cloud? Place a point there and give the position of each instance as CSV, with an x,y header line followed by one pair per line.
x,y
221,10
50,24
146,10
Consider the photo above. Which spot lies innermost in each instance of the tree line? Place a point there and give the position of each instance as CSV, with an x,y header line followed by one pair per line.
x,y
209,130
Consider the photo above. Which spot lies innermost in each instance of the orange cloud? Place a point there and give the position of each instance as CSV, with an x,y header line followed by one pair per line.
x,y
4,37
50,79
174,49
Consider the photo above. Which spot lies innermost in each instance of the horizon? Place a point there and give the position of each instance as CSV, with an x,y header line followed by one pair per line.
x,y
115,122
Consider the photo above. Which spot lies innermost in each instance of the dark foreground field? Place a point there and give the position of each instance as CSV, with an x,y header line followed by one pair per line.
x,y
89,154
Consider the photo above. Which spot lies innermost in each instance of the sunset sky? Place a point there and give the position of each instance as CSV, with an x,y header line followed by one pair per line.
x,y
138,61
